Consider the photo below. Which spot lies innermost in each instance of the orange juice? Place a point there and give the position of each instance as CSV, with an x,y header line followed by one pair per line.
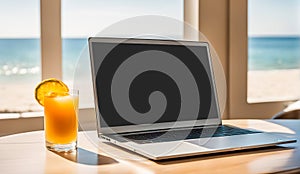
x,y
61,119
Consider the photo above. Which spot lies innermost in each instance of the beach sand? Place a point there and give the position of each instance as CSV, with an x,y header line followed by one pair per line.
x,y
272,85
18,98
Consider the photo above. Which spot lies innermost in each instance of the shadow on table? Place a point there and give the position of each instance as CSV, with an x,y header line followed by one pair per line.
x,y
83,156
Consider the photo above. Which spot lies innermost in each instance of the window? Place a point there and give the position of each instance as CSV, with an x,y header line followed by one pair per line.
x,y
19,55
82,19
273,50
239,107
224,23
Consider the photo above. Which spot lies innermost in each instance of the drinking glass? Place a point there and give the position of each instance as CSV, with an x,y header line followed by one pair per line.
x,y
61,120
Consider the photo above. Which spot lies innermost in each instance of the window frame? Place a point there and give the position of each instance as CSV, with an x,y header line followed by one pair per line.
x,y
51,66
224,23
238,68
51,45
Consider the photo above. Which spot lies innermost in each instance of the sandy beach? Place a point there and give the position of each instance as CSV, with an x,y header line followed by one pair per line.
x,y
272,85
18,98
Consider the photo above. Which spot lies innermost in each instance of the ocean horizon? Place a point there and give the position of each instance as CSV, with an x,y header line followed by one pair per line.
x,y
273,52
20,62
21,56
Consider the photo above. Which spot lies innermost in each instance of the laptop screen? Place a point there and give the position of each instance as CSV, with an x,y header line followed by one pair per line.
x,y
149,81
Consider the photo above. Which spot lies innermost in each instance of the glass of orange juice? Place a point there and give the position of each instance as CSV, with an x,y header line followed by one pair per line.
x,y
61,120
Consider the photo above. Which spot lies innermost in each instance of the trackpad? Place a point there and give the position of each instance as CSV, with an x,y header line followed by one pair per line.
x,y
240,141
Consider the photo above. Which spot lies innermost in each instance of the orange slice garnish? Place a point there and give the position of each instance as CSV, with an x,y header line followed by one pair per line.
x,y
49,87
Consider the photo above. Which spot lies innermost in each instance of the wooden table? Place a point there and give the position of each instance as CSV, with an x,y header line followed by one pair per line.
x,y
26,153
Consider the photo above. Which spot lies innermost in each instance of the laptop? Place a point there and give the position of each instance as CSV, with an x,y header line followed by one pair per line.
x,y
158,98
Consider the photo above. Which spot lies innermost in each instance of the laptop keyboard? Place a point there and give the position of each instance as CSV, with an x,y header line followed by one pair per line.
x,y
183,134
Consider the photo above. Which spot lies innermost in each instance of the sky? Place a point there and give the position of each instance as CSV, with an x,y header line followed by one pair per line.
x,y
19,18
273,17
82,18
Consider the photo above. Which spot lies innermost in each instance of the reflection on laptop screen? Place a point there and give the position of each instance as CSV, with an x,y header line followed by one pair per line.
x,y
151,82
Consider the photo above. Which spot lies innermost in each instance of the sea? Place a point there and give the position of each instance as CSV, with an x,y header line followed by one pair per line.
x,y
20,58
273,53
